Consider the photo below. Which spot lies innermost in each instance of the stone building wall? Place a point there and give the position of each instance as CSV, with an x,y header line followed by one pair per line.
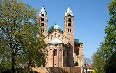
x,y
66,56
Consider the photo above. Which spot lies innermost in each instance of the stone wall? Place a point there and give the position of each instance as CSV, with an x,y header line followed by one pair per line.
x,y
58,69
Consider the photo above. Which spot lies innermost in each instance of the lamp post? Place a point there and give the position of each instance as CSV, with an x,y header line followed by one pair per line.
x,y
86,67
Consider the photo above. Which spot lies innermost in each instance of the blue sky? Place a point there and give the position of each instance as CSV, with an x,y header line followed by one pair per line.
x,y
90,19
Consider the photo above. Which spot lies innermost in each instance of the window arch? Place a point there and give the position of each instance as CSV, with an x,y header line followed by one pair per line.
x,y
63,53
68,30
55,52
69,24
76,64
77,51
69,20
42,14
42,19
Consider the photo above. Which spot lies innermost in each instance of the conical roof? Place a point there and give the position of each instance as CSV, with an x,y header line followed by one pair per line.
x,y
68,12
43,11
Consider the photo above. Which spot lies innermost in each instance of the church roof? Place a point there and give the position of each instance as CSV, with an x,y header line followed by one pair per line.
x,y
43,11
55,40
54,27
76,41
68,12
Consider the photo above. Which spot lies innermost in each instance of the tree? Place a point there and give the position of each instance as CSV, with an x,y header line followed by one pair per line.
x,y
98,61
19,29
109,45
110,66
106,54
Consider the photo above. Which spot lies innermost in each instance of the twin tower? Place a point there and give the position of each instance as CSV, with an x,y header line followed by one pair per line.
x,y
68,22
62,49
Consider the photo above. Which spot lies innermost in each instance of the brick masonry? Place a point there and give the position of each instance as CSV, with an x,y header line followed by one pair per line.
x,y
68,53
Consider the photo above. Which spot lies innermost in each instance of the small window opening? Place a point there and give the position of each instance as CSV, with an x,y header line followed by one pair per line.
x,y
77,52
42,14
69,14
56,45
42,24
55,52
63,53
68,30
76,64
42,19
81,45
69,24
69,20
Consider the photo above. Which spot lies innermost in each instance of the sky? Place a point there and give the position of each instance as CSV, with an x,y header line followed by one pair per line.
x,y
90,19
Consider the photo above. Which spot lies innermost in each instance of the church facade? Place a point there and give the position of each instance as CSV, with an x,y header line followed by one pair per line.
x,y
62,49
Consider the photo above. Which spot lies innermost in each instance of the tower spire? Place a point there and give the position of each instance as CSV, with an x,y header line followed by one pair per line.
x,y
68,12
43,10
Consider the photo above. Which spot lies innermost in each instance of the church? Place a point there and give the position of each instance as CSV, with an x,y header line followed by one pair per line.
x,y
63,50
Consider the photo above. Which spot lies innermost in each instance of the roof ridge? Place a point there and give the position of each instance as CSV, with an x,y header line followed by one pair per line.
x,y
55,40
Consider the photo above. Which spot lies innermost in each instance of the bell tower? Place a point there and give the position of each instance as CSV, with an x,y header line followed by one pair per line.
x,y
43,21
69,32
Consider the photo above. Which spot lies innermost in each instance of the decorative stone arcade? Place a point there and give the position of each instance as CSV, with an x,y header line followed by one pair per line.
x,y
62,50
56,53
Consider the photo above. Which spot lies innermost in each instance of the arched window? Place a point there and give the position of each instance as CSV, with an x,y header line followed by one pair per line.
x,y
42,14
68,30
69,24
69,20
76,64
55,52
77,51
63,53
42,19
